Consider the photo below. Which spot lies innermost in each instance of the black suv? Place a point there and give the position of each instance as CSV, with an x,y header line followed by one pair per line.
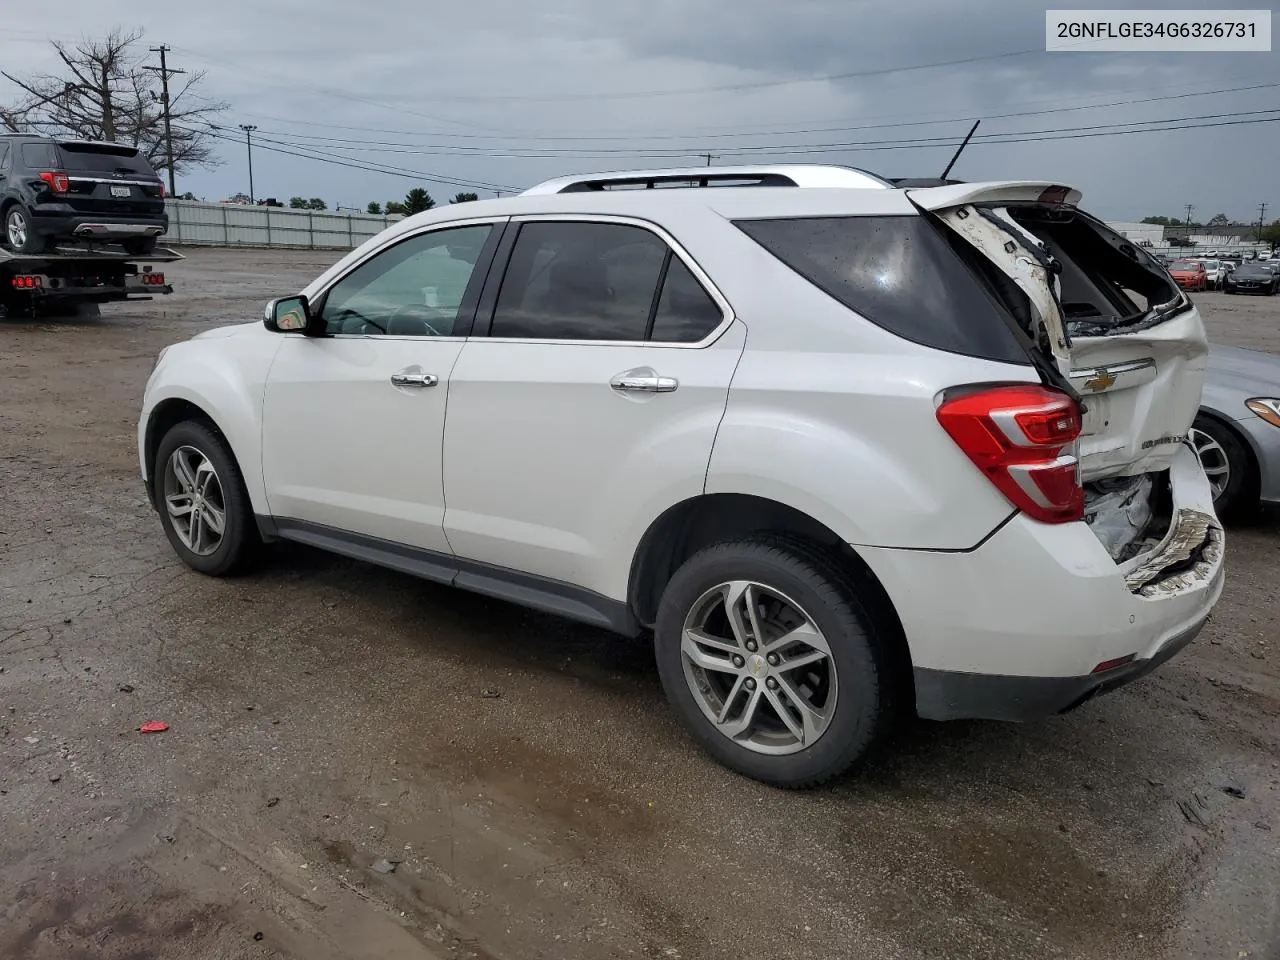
x,y
56,191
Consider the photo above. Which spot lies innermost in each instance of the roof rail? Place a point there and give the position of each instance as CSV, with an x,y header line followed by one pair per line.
x,y
777,175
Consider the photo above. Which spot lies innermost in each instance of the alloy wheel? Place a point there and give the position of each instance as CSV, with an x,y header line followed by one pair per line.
x,y
1214,460
195,501
759,668
16,229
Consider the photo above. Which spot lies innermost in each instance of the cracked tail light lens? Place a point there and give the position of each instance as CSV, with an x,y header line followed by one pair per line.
x,y
1024,439
58,182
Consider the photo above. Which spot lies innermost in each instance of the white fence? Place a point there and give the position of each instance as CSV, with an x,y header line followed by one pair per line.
x,y
238,225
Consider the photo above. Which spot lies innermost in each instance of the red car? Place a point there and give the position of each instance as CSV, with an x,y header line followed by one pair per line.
x,y
1189,274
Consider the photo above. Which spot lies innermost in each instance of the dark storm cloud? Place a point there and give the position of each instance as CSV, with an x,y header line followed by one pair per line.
x,y
467,86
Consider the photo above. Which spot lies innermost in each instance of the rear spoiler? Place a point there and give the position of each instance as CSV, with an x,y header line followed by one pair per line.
x,y
1001,193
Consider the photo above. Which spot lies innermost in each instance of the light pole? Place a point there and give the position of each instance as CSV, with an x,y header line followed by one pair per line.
x,y
248,129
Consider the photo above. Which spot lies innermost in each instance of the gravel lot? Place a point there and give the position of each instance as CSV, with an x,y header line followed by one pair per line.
x,y
526,773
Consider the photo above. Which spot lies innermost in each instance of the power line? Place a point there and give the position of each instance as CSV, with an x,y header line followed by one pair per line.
x,y
732,87
702,137
1056,133
215,132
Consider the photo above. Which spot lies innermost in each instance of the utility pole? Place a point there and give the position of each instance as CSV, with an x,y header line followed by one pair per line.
x,y
248,129
710,157
1262,215
164,72
1190,207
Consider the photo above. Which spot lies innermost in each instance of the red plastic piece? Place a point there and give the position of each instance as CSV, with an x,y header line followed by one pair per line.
x,y
153,726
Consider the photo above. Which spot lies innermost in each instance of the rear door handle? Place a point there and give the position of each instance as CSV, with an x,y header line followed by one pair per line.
x,y
634,384
414,379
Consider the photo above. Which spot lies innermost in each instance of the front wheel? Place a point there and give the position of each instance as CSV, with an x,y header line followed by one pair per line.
x,y
202,500
1228,465
772,660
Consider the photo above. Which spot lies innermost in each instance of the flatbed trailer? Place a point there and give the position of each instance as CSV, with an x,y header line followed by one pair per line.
x,y
65,280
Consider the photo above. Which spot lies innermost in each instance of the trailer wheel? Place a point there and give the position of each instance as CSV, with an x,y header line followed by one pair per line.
x,y
139,246
55,309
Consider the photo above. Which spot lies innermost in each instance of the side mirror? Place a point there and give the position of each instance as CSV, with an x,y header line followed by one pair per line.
x,y
288,315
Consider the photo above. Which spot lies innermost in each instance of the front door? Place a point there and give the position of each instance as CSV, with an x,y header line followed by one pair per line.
x,y
353,421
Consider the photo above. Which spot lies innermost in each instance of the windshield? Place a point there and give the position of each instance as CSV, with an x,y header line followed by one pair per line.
x,y
1191,265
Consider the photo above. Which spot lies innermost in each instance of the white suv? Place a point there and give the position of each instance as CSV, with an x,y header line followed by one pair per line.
x,y
843,445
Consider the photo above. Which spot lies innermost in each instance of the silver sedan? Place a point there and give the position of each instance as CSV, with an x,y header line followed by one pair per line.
x,y
1237,433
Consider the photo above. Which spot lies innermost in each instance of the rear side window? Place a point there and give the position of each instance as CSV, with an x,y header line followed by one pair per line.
x,y
92,158
43,156
900,273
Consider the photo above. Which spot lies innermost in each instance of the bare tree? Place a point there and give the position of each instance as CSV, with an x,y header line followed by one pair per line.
x,y
104,92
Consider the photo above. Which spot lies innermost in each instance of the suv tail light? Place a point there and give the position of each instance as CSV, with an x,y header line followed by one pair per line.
x,y
58,182
1024,439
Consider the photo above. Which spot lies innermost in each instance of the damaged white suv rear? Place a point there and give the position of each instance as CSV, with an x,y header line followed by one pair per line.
x,y
845,446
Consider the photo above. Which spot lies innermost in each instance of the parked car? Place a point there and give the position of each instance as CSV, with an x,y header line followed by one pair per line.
x,y
1252,277
60,191
885,496
1237,433
1215,272
1189,274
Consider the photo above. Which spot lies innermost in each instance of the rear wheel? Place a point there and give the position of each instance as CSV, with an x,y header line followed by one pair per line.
x,y
1227,463
772,661
202,500
139,246
20,233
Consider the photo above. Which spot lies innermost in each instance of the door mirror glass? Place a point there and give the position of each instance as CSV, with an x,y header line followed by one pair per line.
x,y
288,315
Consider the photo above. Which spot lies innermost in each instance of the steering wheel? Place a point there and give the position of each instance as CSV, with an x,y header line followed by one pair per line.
x,y
421,313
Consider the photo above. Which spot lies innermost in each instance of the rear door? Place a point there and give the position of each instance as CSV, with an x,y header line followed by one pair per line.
x,y
1114,322
109,178
592,403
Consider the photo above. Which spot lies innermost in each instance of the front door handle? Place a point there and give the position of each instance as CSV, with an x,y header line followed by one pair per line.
x,y
634,384
414,379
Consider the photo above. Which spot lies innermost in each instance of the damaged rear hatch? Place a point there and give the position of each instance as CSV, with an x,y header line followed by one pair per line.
x,y
1108,325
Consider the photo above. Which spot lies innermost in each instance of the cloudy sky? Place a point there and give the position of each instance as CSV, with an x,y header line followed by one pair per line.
x,y
503,93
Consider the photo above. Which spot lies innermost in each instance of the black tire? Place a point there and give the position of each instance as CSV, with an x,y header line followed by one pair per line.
x,y
1240,495
840,608
139,246
32,241
240,540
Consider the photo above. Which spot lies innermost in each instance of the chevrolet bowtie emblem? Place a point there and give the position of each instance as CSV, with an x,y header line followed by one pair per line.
x,y
1100,381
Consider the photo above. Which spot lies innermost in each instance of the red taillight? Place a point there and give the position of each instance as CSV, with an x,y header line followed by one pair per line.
x,y
1024,439
27,282
162,191
153,279
58,182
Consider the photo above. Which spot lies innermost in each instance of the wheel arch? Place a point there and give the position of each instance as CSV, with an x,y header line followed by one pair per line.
x,y
689,526
167,414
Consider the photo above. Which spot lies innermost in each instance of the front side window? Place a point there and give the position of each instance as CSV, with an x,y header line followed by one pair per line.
x,y
417,288
599,281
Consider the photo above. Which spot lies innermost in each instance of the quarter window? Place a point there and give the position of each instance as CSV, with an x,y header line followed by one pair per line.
x,y
599,281
417,288
42,156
